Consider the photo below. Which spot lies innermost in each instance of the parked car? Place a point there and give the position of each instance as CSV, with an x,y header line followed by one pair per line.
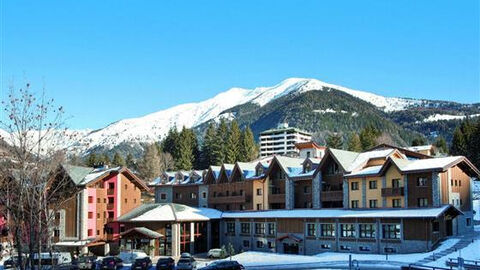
x,y
224,265
186,263
111,263
12,262
166,264
215,253
142,263
86,262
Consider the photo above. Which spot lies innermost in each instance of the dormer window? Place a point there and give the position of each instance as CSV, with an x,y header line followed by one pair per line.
x,y
259,171
307,167
308,154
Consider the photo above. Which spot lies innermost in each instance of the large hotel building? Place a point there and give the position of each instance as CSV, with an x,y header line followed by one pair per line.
x,y
282,140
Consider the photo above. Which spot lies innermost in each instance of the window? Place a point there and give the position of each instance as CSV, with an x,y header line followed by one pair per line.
x,y
110,214
231,227
126,186
90,199
241,192
111,185
90,215
134,200
104,200
259,171
459,183
245,228
372,184
204,195
111,200
421,181
242,207
178,195
56,233
98,232
228,207
227,193
391,231
193,195
259,206
246,243
347,230
126,200
367,230
354,185
271,228
396,183
308,154
456,183
345,248
355,204
326,246
98,215
451,182
332,169
396,203
98,200
327,230
311,229
90,232
259,191
259,228
422,202
372,203
271,244
469,222
163,196
259,244
306,189
364,248
214,194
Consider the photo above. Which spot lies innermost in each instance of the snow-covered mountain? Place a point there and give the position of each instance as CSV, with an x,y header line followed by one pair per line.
x,y
154,126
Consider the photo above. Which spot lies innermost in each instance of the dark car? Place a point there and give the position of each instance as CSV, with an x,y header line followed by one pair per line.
x,y
142,263
224,265
166,264
111,263
186,263
86,262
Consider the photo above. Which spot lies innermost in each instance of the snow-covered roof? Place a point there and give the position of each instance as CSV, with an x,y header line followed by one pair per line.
x,y
291,166
345,158
366,171
342,213
427,164
96,173
169,212
363,158
420,147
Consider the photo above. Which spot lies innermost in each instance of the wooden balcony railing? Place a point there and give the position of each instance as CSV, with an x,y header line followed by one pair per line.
x,y
388,192
336,195
110,191
110,206
276,198
229,199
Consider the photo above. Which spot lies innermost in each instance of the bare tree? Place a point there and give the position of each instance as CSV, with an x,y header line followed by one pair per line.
x,y
32,185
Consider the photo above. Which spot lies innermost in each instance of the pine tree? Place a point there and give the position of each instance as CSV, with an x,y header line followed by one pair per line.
x,y
118,160
354,143
232,151
222,139
459,144
185,159
130,162
248,149
149,168
170,142
419,141
368,137
92,160
105,160
211,149
335,140
441,145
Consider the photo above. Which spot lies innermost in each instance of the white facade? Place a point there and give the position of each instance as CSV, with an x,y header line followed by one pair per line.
x,y
281,141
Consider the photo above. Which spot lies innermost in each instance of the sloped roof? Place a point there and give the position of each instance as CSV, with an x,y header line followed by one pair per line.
x,y
420,147
77,173
372,170
142,230
169,212
344,158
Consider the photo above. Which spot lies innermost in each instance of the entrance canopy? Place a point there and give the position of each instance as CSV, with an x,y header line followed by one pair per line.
x,y
290,237
142,231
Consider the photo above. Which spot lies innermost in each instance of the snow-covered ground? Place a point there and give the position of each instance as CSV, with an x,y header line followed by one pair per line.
x,y
251,258
440,117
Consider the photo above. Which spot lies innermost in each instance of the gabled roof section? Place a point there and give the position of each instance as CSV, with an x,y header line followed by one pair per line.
x,y
290,166
100,174
169,212
308,145
409,153
77,173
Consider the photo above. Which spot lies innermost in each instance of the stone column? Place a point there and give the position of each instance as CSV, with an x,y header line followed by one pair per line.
x,y
316,190
345,193
289,194
209,235
176,239
192,237
405,190
364,192
435,189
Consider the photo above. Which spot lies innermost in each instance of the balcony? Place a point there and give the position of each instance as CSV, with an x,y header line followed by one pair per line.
x,y
229,199
389,192
110,206
110,191
335,195
276,198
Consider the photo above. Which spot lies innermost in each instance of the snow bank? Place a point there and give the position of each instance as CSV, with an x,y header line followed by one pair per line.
x,y
476,208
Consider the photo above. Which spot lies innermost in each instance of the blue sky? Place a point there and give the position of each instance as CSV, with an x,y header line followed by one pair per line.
x,y
109,60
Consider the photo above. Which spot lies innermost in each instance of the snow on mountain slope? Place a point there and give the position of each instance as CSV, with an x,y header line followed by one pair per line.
x,y
154,126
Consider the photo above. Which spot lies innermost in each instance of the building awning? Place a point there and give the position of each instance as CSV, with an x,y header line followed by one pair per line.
x,y
97,243
141,230
291,237
79,243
